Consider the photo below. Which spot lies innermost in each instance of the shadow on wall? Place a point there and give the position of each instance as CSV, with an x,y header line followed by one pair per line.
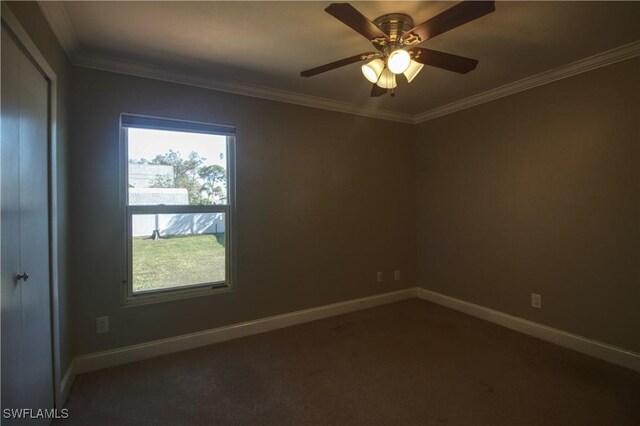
x,y
188,224
178,224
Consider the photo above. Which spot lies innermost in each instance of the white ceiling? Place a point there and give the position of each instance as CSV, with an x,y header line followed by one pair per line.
x,y
268,43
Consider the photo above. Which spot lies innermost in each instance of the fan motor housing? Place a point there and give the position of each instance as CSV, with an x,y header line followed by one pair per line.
x,y
394,25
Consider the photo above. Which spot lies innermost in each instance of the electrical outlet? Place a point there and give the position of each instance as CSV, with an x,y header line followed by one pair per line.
x,y
102,325
536,300
396,275
379,276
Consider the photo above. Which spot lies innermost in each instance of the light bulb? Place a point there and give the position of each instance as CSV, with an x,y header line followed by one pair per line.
x,y
399,61
373,69
413,70
387,80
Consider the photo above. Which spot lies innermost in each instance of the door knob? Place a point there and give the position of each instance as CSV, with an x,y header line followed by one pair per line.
x,y
24,276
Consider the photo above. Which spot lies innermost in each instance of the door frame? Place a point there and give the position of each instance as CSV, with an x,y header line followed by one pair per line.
x,y
12,23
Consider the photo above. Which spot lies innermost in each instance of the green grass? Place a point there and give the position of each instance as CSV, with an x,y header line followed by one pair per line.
x,y
177,261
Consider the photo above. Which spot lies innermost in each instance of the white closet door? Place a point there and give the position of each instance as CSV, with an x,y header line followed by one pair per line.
x,y
34,236
12,367
31,206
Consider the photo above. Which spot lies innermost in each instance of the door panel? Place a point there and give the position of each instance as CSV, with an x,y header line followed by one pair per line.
x,y
27,367
11,294
34,236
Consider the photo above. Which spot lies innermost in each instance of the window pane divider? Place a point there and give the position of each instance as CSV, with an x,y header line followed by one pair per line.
x,y
168,209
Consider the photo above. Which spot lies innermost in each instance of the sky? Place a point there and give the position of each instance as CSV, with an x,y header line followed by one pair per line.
x,y
146,143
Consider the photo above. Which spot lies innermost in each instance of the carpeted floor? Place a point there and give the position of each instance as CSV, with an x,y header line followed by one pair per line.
x,y
407,363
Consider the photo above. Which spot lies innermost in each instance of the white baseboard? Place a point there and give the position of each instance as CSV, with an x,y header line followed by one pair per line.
x,y
65,384
111,358
100,360
577,343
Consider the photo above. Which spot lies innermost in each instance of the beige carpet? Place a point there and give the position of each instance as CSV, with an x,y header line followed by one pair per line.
x,y
408,363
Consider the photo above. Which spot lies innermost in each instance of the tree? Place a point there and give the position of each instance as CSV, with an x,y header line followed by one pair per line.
x,y
185,174
214,177
138,161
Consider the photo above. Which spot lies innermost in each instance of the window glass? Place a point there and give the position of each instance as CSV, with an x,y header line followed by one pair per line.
x,y
176,168
188,249
177,205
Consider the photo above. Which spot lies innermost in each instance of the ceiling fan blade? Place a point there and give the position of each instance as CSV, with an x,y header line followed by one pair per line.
x,y
377,91
446,61
451,18
336,64
349,16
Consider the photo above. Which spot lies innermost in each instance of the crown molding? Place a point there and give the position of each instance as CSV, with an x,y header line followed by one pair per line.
x,y
56,15
608,57
139,69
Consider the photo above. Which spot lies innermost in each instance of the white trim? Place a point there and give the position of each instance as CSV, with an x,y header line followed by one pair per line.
x,y
612,354
66,382
139,69
26,41
100,360
56,15
608,57
125,355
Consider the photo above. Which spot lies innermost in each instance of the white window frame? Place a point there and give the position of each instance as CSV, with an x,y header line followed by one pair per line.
x,y
179,292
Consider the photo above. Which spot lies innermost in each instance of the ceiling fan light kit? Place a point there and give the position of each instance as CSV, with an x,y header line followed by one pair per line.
x,y
413,70
387,80
399,61
373,70
396,40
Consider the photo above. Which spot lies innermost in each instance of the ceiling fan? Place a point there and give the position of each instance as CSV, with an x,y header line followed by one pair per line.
x,y
396,40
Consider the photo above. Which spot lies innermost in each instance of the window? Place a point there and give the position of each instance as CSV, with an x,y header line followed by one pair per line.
x,y
178,192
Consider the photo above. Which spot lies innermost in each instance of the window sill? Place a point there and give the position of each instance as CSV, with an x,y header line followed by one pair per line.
x,y
168,296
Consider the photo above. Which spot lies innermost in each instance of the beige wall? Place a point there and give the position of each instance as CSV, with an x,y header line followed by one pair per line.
x,y
539,192
40,33
324,200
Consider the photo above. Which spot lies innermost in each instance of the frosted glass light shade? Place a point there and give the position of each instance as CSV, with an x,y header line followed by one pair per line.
x,y
399,61
373,69
413,70
387,80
